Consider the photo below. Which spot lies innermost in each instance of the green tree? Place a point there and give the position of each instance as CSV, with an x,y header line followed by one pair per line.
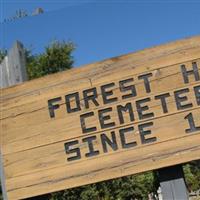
x,y
56,57
192,175
126,188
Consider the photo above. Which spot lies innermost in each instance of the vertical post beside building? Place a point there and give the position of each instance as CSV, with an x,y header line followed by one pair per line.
x,y
12,72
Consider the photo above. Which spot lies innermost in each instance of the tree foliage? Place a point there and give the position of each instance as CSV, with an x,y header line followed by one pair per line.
x,y
56,57
126,188
192,175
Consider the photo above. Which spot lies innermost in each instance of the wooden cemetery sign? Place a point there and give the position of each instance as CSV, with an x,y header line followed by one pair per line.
x,y
113,118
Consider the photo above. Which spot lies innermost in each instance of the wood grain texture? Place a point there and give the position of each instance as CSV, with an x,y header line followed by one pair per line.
x,y
32,143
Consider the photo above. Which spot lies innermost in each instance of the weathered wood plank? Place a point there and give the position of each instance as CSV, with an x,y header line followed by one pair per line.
x,y
93,171
35,114
54,156
142,61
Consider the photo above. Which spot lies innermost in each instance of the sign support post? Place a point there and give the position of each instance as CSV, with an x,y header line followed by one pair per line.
x,y
172,183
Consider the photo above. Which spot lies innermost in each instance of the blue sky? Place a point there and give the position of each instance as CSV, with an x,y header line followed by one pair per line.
x,y
100,29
